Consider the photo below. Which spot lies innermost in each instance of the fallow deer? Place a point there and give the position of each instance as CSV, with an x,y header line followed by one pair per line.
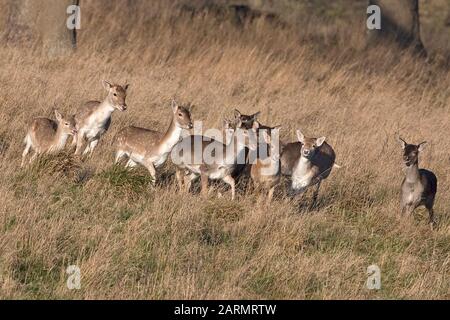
x,y
45,135
94,119
207,158
246,121
419,186
265,172
308,162
151,148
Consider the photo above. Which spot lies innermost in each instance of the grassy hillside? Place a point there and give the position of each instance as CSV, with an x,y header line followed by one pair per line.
x,y
134,241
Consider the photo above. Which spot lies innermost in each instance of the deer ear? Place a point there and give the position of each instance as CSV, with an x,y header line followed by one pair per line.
x,y
106,85
320,141
237,113
300,136
402,142
125,87
58,115
255,116
174,105
422,146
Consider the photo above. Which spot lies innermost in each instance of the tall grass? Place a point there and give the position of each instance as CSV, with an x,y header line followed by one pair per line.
x,y
132,240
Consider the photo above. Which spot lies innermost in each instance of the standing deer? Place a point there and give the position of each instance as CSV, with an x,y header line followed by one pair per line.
x,y
265,172
45,135
245,121
208,158
151,148
419,186
308,162
94,119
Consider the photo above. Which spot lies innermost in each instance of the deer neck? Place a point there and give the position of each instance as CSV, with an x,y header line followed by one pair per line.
x,y
304,165
59,140
274,156
412,173
234,149
272,162
171,137
105,109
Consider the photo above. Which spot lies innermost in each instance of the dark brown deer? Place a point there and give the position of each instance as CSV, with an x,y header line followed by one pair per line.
x,y
419,186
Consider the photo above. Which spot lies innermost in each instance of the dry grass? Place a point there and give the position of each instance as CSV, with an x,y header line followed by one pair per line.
x,y
134,241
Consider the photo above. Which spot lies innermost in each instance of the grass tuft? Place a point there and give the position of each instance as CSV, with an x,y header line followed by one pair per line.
x,y
122,180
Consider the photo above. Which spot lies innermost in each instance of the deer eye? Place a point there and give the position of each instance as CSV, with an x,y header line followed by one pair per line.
x,y
115,94
66,123
180,114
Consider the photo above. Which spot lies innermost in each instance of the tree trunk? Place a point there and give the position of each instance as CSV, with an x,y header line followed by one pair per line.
x,y
39,23
399,24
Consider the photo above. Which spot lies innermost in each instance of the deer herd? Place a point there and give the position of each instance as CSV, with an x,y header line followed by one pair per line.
x,y
305,162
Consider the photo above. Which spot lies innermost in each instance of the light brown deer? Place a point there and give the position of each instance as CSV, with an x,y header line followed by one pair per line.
x,y
265,172
94,119
47,136
307,162
151,148
419,186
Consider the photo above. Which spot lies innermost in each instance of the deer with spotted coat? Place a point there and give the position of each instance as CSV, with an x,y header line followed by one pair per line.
x,y
151,148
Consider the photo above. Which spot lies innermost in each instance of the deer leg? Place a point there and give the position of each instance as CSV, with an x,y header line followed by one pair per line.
x,y
25,152
151,168
270,195
432,218
188,180
119,155
231,182
92,146
179,177
429,206
130,164
33,157
407,209
74,140
204,181
80,143
87,149
316,194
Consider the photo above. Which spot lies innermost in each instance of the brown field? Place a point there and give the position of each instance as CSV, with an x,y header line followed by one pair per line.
x,y
134,241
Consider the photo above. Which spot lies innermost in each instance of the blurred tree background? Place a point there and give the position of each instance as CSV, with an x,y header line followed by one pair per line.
x,y
43,22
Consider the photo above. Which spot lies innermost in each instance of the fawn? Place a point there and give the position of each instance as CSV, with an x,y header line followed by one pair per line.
x,y
45,135
308,162
151,148
94,119
419,186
